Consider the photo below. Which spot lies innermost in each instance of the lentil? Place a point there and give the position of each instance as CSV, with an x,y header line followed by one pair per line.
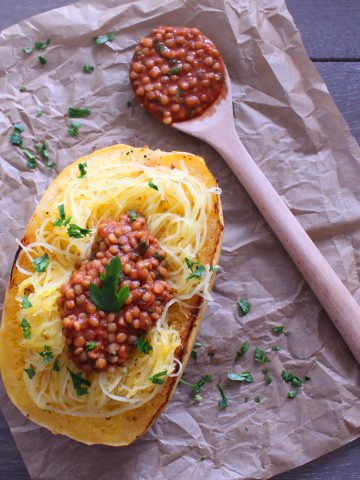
x,y
114,333
178,57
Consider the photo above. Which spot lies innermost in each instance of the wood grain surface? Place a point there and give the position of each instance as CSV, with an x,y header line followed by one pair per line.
x,y
331,35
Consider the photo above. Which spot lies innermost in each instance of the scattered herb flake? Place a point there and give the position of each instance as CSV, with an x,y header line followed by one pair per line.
x,y
31,159
80,384
39,114
28,50
133,215
74,112
82,170
307,379
214,268
26,302
175,70
143,345
90,346
240,377
196,272
26,328
62,221
159,47
276,348
197,387
22,88
108,297
158,379
141,249
74,231
41,263
56,366
128,104
243,349
15,137
260,356
101,39
42,60
292,394
42,149
42,45
257,399
291,378
244,306
73,130
224,401
47,354
267,377
30,372
194,354
279,329
88,69
152,184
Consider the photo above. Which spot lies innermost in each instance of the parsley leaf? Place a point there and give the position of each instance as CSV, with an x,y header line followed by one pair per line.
x,y
31,159
42,60
41,263
244,306
28,50
152,184
198,272
109,297
291,378
42,45
26,328
82,170
62,221
78,112
275,348
243,349
30,372
42,149
224,401
23,89
159,47
267,377
80,384
39,114
257,399
133,215
90,346
88,68
279,329
240,377
26,302
143,345
74,231
197,387
128,104
292,394
260,356
101,39
175,70
56,366
73,130
47,354
15,137
157,378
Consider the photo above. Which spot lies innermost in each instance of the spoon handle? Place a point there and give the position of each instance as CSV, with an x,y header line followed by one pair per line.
x,y
329,289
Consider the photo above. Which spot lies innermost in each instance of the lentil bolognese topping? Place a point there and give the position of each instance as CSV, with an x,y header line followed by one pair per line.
x,y
177,73
102,340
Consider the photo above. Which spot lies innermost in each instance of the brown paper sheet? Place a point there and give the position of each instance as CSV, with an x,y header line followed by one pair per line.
x,y
287,120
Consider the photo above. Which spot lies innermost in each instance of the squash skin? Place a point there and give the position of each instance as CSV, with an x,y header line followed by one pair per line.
x,y
123,429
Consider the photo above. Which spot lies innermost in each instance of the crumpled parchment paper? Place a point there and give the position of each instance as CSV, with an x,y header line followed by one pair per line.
x,y
288,122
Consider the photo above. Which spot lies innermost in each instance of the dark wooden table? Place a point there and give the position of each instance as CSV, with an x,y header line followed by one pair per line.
x,y
331,34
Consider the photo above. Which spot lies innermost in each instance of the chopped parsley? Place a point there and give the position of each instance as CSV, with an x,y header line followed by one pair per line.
x,y
214,268
42,149
82,170
307,379
152,184
39,114
47,354
128,104
26,328
275,348
243,349
244,306
132,215
42,45
78,112
257,399
30,372
291,378
141,248
26,302
240,377
80,384
175,70
267,377
197,387
90,346
41,263
88,69
159,47
73,130
62,221
15,137
224,401
42,60
196,272
74,231
194,352
158,379
279,329
101,39
28,50
31,159
292,394
260,356
56,366
143,345
22,89
108,297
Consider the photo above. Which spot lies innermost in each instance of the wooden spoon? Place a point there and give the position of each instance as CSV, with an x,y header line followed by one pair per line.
x,y
216,127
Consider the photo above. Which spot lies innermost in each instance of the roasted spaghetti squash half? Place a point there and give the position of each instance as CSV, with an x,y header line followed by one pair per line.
x,y
107,292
